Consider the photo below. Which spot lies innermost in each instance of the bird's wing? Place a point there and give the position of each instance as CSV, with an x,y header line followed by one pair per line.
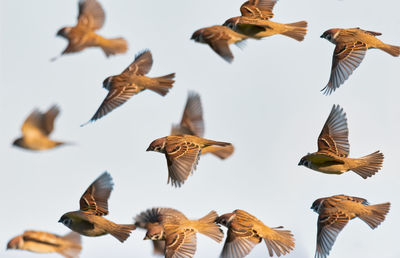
x,y
156,215
192,119
346,58
334,135
48,119
38,123
329,226
238,243
217,39
158,247
320,158
182,157
141,65
258,8
43,237
179,242
94,200
91,14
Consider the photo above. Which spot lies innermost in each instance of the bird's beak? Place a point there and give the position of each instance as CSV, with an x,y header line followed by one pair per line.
x,y
321,36
149,148
300,163
59,221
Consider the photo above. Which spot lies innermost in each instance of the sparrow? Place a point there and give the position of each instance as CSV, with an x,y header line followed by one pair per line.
x,y
351,47
245,231
332,156
334,213
89,220
182,153
36,130
130,82
42,242
176,231
90,18
255,22
192,123
219,38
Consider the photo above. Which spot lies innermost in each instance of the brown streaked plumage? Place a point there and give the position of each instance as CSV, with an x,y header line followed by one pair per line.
x,y
182,153
89,220
130,82
68,246
245,231
255,22
91,18
192,123
36,130
178,232
333,150
219,38
351,47
334,213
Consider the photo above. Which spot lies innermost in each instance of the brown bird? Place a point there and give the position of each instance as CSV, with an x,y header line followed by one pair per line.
x,y
178,231
351,47
91,18
89,220
192,123
255,22
42,242
130,82
219,38
182,153
334,213
36,130
332,156
245,231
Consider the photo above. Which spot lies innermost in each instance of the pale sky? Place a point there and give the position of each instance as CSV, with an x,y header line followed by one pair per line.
x,y
267,103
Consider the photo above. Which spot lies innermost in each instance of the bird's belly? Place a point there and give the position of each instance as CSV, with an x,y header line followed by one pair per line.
x,y
39,247
330,168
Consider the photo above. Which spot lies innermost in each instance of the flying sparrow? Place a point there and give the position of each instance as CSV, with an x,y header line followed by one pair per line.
x,y
82,35
351,47
130,82
89,220
178,232
192,123
36,130
334,213
333,150
245,231
42,242
255,22
182,153
219,38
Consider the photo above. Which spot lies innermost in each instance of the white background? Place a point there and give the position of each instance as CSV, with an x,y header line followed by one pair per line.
x,y
267,103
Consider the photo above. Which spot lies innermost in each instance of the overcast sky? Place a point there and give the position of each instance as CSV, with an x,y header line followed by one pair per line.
x,y
267,103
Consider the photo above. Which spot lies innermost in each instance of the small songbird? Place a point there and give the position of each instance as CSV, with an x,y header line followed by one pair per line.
x,y
255,22
245,231
89,220
182,153
68,246
130,82
177,231
219,38
36,130
332,156
351,47
91,18
334,213
192,123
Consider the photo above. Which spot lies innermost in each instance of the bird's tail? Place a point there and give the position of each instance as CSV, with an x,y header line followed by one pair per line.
x,y
282,242
390,49
296,30
206,226
163,84
121,232
73,249
221,152
113,46
376,215
368,165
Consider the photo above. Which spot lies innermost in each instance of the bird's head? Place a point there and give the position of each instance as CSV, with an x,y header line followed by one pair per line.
x,y
64,32
107,83
66,220
18,142
231,23
304,161
198,36
158,145
225,219
331,35
15,243
155,232
317,204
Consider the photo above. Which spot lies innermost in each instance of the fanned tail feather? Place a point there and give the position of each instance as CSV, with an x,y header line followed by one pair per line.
x,y
377,214
297,30
73,249
221,152
121,232
164,83
369,165
392,50
114,46
206,226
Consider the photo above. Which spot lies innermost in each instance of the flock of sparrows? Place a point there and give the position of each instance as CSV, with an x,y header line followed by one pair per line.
x,y
172,233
